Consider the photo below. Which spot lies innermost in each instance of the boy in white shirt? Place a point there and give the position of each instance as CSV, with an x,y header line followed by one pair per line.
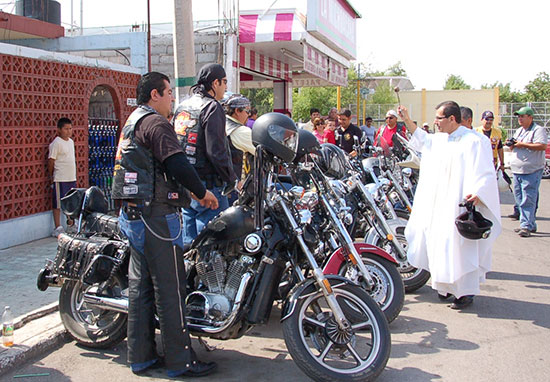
x,y
61,168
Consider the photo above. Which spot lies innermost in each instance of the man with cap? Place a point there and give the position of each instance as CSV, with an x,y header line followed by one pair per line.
x,y
527,163
495,136
426,127
386,132
200,125
237,108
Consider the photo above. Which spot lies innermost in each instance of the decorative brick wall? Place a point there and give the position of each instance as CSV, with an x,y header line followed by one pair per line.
x,y
34,95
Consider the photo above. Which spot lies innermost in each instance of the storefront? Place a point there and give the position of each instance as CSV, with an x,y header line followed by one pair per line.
x,y
284,48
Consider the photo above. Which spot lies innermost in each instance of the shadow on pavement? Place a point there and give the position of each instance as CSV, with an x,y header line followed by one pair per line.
x,y
506,309
436,338
518,277
406,374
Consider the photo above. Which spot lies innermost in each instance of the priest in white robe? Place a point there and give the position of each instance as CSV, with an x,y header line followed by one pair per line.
x,y
457,164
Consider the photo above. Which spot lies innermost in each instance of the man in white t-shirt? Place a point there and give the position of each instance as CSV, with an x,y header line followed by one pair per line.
x,y
61,168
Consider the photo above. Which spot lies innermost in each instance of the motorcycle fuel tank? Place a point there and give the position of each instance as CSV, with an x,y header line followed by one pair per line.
x,y
232,223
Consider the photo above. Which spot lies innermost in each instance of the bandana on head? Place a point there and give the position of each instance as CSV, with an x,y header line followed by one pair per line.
x,y
209,73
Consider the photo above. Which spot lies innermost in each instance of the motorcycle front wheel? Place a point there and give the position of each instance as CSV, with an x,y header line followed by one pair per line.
x,y
325,352
388,290
91,326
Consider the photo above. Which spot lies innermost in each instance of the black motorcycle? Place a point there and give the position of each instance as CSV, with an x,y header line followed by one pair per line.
x,y
333,329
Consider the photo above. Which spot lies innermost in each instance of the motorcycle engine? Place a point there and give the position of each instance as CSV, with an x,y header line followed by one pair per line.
x,y
220,281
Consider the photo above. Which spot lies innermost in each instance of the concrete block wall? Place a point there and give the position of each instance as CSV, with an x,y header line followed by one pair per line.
x,y
207,47
122,56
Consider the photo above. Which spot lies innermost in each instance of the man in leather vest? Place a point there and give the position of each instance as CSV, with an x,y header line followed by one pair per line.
x,y
237,108
150,169
200,125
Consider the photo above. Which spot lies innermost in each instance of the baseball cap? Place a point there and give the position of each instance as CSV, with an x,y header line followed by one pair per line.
x,y
525,110
426,124
487,114
391,113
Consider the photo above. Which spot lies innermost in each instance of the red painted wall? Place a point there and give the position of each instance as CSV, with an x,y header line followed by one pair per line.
x,y
34,95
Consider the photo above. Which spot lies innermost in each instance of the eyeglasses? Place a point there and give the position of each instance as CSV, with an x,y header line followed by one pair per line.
x,y
489,119
390,117
224,80
440,118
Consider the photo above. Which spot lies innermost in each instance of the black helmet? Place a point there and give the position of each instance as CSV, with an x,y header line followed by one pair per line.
x,y
333,161
277,134
471,224
307,144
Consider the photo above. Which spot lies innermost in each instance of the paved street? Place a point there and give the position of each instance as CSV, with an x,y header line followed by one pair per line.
x,y
504,336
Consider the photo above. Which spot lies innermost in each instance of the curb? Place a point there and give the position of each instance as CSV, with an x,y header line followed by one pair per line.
x,y
37,332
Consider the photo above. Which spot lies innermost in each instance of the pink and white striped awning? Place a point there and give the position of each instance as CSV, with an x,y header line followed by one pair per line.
x,y
271,27
252,60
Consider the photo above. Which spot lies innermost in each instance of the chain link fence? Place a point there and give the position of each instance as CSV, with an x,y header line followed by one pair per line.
x,y
509,121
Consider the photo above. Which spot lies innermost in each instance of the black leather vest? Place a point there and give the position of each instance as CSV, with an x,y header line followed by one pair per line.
x,y
191,133
138,175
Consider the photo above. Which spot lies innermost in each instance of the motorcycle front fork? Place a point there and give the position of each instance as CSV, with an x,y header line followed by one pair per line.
x,y
321,280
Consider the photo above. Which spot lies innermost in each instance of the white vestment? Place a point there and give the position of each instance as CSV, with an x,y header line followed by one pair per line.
x,y
453,166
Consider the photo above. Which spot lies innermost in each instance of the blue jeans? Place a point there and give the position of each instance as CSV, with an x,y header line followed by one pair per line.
x,y
526,188
196,217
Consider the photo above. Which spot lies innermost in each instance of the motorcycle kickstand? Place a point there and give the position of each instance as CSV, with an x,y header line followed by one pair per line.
x,y
207,347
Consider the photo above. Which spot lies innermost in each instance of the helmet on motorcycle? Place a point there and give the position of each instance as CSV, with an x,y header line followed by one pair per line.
x,y
307,144
471,224
333,161
278,135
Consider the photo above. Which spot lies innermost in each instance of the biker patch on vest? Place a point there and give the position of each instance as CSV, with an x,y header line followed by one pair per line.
x,y
192,138
130,177
347,136
190,150
130,190
173,195
182,122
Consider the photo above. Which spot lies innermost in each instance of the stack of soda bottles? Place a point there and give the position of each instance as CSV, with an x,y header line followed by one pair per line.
x,y
102,140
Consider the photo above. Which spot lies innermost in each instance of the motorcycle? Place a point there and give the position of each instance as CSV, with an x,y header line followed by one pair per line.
x,y
367,265
376,221
333,329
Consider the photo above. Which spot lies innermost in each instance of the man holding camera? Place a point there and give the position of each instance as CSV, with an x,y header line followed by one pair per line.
x,y
527,163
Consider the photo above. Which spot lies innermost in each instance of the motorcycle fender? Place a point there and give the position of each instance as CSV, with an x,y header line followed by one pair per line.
x,y
305,287
335,261
372,235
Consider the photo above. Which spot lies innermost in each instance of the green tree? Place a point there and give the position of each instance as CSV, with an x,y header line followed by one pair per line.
x,y
506,93
303,99
538,90
455,82
261,99
383,94
396,70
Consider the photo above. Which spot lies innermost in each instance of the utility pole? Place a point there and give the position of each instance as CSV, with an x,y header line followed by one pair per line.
x,y
184,48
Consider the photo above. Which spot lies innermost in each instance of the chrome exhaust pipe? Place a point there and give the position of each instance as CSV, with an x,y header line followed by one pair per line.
x,y
118,304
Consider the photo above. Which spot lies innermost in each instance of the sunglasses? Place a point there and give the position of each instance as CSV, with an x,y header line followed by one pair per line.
x,y
390,117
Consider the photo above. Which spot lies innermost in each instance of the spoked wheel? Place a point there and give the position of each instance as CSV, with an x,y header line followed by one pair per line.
x,y
413,278
323,350
388,290
92,326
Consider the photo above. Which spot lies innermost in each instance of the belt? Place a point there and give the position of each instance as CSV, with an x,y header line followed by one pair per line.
x,y
134,211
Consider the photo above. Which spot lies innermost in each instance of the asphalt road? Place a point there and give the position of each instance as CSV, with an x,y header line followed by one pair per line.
x,y
504,336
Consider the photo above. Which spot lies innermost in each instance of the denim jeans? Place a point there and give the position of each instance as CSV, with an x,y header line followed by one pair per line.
x,y
526,187
196,217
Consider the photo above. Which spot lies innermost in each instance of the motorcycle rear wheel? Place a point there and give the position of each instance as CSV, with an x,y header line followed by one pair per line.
x,y
388,290
91,326
327,354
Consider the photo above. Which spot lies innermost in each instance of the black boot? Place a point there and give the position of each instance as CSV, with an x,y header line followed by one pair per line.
x,y
462,302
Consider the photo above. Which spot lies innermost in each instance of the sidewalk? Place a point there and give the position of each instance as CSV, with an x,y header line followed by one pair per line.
x,y
18,271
